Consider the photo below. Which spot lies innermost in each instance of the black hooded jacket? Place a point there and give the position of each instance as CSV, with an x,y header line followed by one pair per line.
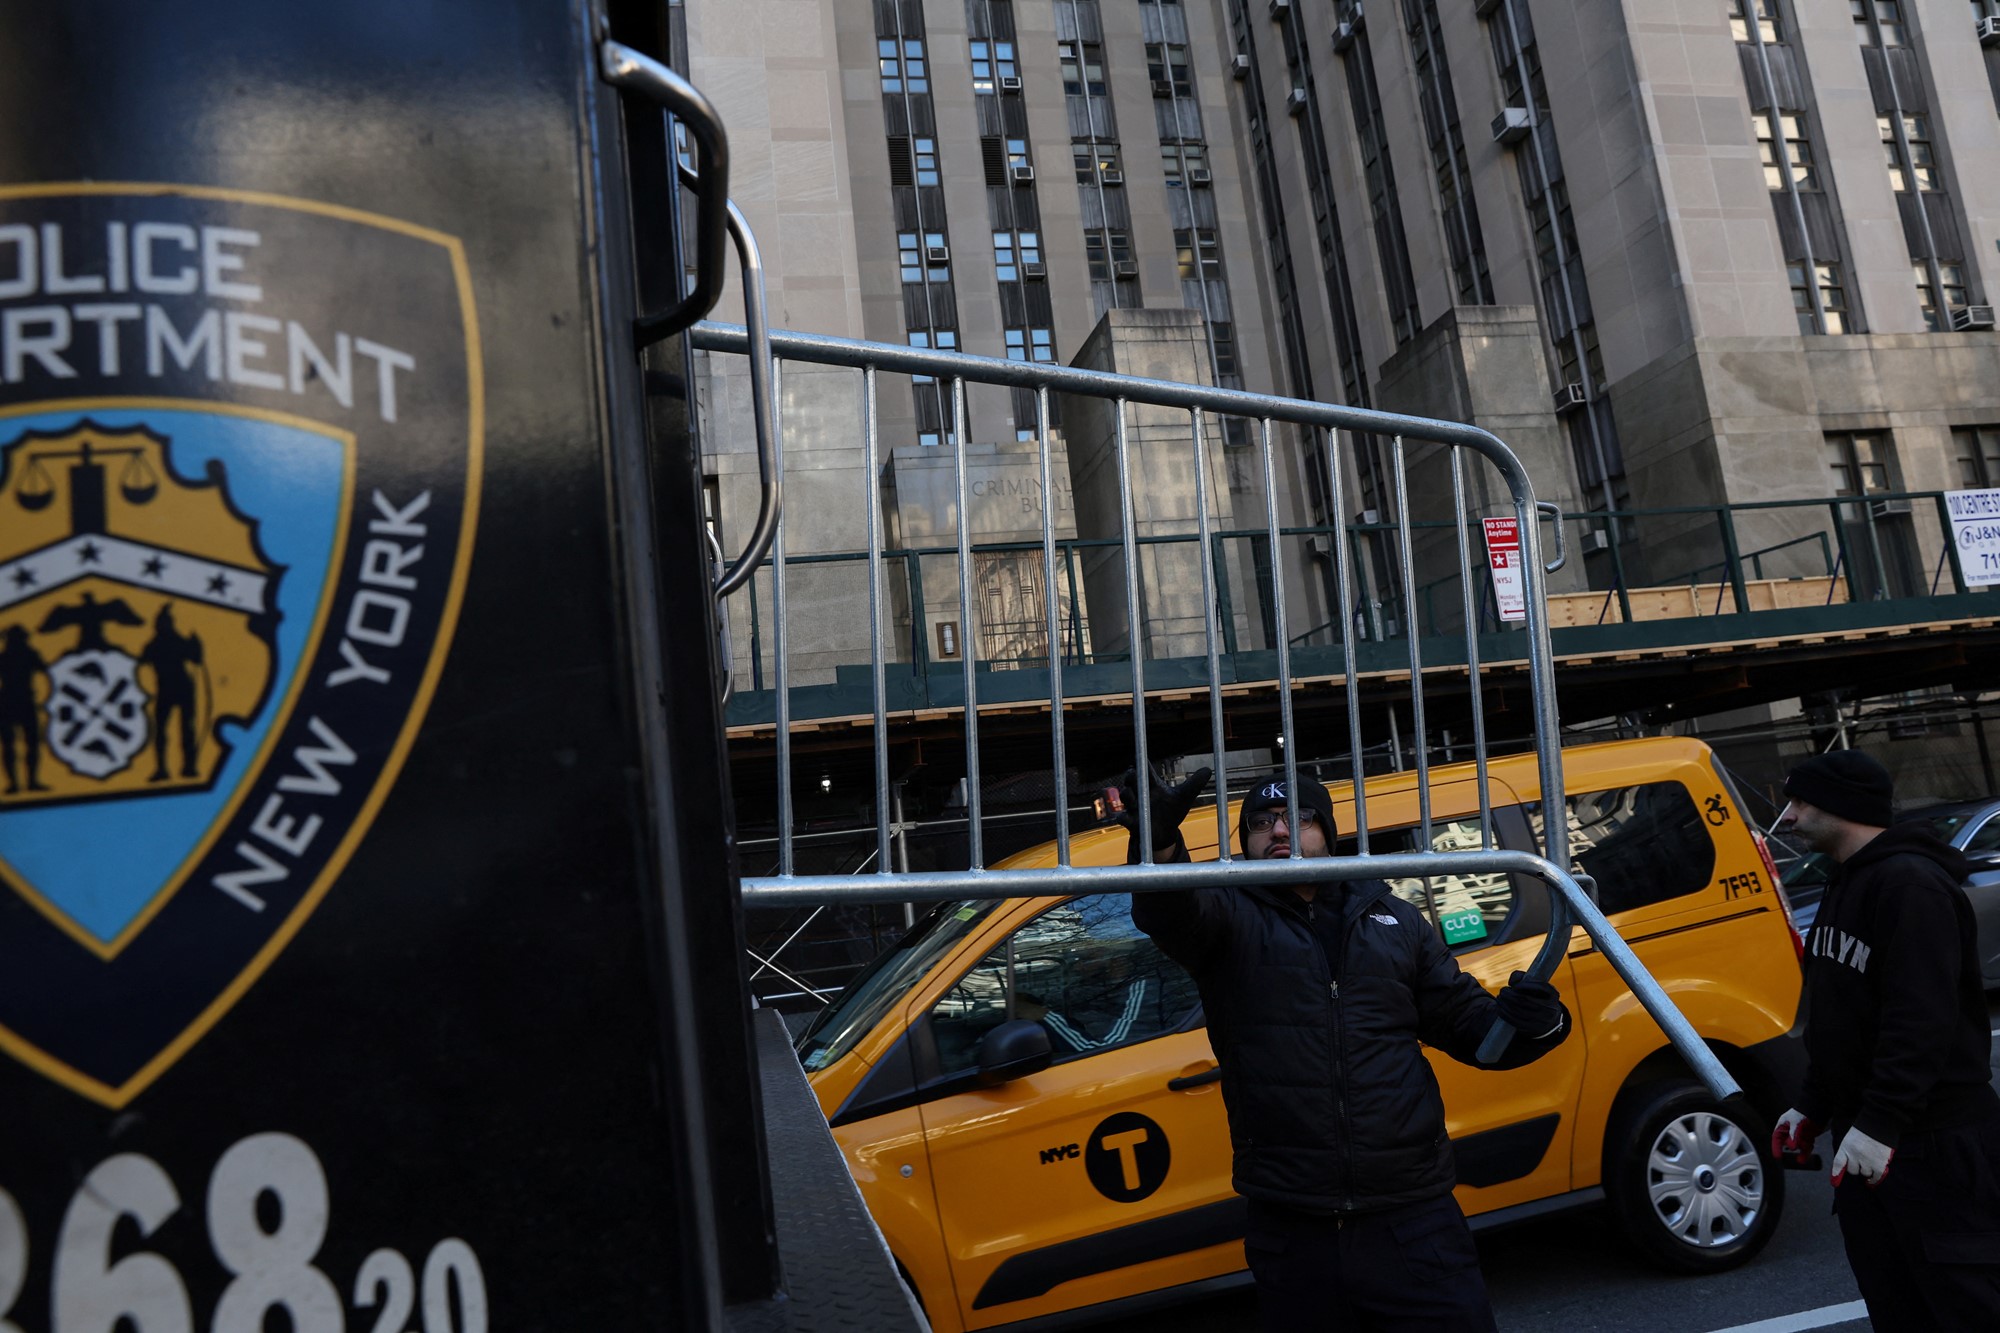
x,y
1896,1024
1332,1106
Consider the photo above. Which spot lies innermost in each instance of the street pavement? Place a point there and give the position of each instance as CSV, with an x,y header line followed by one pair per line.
x,y
1574,1272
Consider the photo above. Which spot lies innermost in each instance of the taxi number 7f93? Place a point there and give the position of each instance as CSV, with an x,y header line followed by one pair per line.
x,y
1736,886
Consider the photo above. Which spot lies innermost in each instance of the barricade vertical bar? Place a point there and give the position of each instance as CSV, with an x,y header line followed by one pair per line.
x,y
1142,771
1471,644
872,463
780,634
1420,741
1542,676
1059,755
756,638
1343,574
1290,741
1406,560
968,639
1209,606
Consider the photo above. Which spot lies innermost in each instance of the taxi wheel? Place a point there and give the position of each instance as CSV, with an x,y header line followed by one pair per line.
x,y
1688,1178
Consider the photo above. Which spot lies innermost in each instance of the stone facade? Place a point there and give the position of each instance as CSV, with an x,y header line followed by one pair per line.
x,y
1675,251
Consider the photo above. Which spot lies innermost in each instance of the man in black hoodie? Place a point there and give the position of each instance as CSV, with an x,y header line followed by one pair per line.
x,y
1897,1044
1317,997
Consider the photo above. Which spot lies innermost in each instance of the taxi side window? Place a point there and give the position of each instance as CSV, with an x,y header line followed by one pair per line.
x,y
1082,970
1642,844
1471,909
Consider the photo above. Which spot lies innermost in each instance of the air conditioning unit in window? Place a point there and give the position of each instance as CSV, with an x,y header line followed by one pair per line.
x,y
937,254
1570,397
1163,87
1010,83
1887,508
1598,540
1022,173
1126,268
1279,8
1239,65
1295,101
1989,31
1111,176
1484,7
1034,270
1966,317
1347,24
1511,125
1319,543
1198,176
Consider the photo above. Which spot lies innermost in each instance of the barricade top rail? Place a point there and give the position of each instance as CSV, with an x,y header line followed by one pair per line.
x,y
855,354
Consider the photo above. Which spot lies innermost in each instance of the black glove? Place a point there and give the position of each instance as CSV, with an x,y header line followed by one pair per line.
x,y
1532,1008
1170,807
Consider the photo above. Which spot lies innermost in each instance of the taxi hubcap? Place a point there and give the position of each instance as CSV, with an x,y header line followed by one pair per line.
x,y
1704,1180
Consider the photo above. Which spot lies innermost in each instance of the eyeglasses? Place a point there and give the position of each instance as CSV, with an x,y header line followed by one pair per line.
x,y
1264,820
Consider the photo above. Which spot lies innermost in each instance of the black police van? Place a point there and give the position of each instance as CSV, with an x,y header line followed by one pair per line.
x,y
366,952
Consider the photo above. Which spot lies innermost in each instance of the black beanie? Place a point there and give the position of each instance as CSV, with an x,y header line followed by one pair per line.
x,y
1270,795
1846,783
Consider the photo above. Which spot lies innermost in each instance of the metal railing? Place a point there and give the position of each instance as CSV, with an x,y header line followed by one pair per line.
x,y
1890,557
1321,428
1882,546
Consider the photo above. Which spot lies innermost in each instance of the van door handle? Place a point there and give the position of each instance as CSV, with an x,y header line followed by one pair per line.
x,y
1203,1079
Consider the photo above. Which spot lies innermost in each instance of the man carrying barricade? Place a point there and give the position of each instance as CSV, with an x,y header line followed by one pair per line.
x,y
1318,998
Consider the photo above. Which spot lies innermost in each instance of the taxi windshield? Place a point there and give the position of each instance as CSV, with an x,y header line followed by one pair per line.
x,y
869,996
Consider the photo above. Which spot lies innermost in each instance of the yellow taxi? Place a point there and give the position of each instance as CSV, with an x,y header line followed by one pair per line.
x,y
1017,1180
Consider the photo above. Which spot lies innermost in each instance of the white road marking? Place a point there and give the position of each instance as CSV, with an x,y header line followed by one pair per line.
x,y
1793,1323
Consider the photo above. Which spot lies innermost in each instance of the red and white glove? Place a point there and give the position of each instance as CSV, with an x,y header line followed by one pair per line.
x,y
1864,1157
1792,1137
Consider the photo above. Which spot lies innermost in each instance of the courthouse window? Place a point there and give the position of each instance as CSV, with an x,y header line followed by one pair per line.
x,y
902,63
1920,168
1978,456
1082,68
1030,345
1832,295
1767,20
1859,461
1878,22
991,60
1937,316
943,340
1798,150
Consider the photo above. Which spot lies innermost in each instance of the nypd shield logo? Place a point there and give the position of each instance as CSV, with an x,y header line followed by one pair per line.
x,y
239,472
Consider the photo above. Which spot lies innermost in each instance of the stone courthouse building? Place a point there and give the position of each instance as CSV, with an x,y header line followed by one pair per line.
x,y
1675,252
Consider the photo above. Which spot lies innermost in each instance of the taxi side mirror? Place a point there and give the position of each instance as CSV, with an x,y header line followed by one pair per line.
x,y
1014,1050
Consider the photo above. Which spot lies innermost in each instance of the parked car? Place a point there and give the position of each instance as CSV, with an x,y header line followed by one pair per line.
x,y
1971,826
1017,1179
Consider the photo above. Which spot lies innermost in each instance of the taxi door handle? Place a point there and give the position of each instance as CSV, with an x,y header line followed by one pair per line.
x,y
1186,1081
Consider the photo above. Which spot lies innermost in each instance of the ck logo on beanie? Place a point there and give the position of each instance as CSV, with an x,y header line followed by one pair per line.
x,y
1273,791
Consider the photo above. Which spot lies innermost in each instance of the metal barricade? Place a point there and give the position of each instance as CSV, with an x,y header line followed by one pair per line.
x,y
1322,425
